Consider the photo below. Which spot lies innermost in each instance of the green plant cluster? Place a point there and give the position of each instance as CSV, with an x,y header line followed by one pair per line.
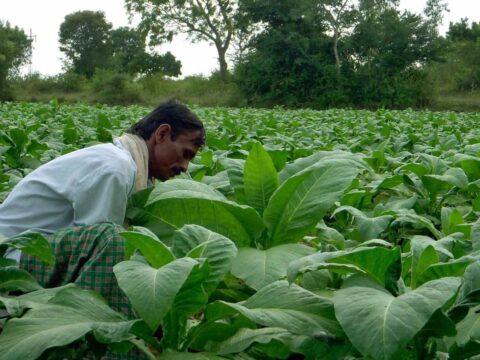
x,y
338,234
111,88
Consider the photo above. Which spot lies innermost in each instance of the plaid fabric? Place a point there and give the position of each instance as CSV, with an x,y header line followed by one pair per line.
x,y
85,256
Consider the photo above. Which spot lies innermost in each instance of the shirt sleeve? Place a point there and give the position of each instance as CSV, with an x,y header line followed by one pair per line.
x,y
101,197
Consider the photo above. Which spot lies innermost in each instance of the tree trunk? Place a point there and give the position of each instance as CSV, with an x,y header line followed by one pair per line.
x,y
335,51
223,63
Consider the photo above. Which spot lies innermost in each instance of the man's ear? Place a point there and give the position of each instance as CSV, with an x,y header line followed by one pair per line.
x,y
163,132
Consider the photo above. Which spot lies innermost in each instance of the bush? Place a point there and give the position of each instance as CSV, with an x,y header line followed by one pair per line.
x,y
70,82
37,83
115,89
198,90
109,87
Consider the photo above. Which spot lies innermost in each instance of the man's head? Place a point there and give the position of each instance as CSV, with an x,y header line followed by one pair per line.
x,y
173,135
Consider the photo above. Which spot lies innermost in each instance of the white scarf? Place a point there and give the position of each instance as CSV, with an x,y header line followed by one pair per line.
x,y
137,147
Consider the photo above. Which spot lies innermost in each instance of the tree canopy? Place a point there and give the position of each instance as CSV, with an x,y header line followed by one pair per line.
x,y
129,55
338,53
85,40
214,21
90,43
15,50
463,54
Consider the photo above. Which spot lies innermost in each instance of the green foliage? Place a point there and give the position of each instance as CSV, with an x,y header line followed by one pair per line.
x,y
196,90
127,45
456,75
297,61
214,22
15,50
390,51
291,61
67,316
114,88
367,245
35,83
84,38
464,42
129,55
377,322
258,268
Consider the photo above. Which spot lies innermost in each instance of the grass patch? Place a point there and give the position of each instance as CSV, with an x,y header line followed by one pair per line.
x,y
469,101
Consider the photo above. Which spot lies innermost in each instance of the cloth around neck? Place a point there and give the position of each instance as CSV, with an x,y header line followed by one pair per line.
x,y
137,147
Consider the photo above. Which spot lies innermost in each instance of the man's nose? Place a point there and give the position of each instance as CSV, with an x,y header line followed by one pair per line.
x,y
184,165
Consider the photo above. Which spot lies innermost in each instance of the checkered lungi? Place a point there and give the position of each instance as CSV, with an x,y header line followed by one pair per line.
x,y
85,256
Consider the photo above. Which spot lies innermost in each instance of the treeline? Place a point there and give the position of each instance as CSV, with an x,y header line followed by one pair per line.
x,y
294,53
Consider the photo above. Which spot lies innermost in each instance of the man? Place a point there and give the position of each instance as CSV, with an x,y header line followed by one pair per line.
x,y
79,200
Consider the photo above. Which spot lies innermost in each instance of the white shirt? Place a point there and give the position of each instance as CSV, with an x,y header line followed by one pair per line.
x,y
84,187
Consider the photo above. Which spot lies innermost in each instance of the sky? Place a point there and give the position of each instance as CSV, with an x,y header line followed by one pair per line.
x,y
43,19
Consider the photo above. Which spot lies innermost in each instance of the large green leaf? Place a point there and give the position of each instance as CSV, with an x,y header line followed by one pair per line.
x,y
220,182
379,263
156,252
12,279
302,200
234,168
152,291
16,305
179,202
468,330
33,244
452,177
424,254
207,335
138,214
67,317
379,324
469,293
289,307
244,338
411,217
451,218
470,164
189,300
262,267
434,164
198,242
302,163
454,267
368,227
260,178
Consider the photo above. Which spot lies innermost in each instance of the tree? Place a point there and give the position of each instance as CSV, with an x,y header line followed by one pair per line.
x,y
374,8
130,57
339,16
390,50
127,46
213,21
463,54
85,40
433,11
463,31
291,62
166,64
15,50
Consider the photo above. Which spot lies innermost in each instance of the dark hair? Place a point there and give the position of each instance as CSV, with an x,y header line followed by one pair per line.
x,y
174,113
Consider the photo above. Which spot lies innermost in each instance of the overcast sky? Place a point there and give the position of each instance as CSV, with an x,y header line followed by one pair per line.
x,y
43,18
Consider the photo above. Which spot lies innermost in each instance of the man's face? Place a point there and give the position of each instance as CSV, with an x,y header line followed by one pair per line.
x,y
167,157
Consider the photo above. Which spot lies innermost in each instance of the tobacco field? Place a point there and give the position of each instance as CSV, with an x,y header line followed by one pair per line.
x,y
338,234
